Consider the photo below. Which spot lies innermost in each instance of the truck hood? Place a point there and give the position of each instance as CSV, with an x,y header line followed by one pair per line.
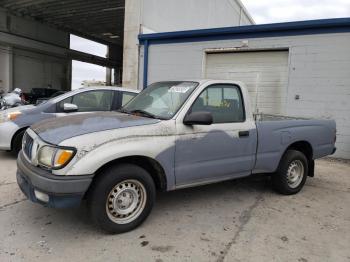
x,y
56,130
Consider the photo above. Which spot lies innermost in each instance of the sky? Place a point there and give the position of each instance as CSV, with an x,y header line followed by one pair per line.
x,y
274,11
84,71
271,11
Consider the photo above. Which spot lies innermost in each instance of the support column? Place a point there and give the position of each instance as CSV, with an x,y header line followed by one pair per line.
x,y
108,69
108,76
131,48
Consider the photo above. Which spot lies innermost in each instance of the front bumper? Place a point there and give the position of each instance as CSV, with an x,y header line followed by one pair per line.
x,y
62,191
7,131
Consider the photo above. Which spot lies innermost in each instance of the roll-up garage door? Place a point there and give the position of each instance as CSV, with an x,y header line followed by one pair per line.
x,y
265,74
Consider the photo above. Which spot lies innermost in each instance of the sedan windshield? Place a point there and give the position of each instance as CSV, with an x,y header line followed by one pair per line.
x,y
161,100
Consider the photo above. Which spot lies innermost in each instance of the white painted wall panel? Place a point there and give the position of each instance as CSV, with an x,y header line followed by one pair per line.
x,y
170,15
318,71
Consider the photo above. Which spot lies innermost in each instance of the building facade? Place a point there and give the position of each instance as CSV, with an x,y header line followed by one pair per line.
x,y
34,35
152,16
297,69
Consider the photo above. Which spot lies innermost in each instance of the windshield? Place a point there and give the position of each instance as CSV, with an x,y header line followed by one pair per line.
x,y
161,100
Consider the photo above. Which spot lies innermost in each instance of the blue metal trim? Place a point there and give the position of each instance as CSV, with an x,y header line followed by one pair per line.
x,y
338,25
145,64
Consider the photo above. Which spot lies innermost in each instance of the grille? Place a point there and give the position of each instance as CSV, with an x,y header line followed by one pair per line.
x,y
28,145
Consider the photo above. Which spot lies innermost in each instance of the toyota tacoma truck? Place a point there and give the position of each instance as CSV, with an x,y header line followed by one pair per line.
x,y
173,135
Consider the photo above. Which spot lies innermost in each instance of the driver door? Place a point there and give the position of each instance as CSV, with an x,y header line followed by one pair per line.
x,y
222,150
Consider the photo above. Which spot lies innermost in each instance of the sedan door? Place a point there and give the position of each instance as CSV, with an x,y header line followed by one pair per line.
x,y
222,150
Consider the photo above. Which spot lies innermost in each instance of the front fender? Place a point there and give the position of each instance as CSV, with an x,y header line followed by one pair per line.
x,y
89,158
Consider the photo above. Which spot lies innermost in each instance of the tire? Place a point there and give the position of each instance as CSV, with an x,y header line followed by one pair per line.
x,y
291,173
113,195
17,142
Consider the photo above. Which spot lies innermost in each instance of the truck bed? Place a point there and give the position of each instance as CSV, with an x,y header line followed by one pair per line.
x,y
276,133
268,117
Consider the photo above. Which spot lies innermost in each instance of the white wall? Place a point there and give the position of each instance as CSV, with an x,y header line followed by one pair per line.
x,y
150,16
318,73
170,15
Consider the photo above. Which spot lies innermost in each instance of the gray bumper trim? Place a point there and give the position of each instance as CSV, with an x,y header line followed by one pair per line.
x,y
46,182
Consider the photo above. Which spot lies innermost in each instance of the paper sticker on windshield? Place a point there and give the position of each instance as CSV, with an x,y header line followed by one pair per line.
x,y
178,89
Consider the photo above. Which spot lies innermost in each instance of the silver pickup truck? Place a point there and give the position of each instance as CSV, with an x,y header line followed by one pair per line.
x,y
173,135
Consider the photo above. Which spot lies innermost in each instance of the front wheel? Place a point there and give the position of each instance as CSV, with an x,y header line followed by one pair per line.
x,y
122,198
291,174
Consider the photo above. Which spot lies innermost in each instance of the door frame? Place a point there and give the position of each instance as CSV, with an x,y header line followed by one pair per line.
x,y
181,129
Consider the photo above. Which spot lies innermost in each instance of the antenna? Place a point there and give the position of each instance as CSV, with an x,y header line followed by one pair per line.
x,y
257,79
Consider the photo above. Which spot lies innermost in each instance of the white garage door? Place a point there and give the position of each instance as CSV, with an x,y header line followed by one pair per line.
x,y
265,74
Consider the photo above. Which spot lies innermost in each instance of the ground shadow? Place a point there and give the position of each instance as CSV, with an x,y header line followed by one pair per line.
x,y
4,155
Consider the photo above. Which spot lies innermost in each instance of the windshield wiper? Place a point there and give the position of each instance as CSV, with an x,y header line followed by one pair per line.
x,y
145,113
123,111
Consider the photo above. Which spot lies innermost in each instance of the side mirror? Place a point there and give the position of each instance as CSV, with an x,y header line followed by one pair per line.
x,y
69,108
198,118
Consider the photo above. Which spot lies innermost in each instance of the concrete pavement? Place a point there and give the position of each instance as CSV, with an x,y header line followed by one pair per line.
x,y
242,220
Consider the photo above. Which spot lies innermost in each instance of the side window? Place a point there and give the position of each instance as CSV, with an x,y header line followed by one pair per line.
x,y
100,100
126,97
223,101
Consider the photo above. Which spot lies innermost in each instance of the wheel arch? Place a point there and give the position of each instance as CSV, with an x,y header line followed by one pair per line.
x,y
15,134
305,148
152,166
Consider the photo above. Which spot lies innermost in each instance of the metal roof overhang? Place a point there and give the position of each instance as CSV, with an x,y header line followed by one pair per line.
x,y
98,20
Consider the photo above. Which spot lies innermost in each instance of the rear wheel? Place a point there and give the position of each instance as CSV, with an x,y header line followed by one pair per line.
x,y
17,142
122,198
291,174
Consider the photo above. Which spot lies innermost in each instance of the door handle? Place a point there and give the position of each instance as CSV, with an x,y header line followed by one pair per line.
x,y
243,133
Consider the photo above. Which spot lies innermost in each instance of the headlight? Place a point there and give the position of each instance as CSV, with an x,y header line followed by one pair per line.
x,y
55,157
4,117
13,115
